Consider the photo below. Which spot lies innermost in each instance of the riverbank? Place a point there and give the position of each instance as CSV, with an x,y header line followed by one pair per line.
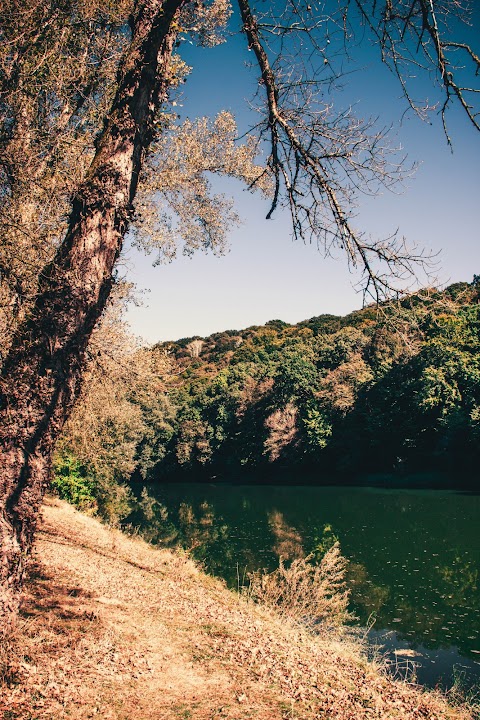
x,y
115,629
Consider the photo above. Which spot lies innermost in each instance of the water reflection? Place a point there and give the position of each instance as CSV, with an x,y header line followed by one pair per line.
x,y
288,543
414,556
367,597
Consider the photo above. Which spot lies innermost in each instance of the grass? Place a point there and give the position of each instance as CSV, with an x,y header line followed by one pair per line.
x,y
112,628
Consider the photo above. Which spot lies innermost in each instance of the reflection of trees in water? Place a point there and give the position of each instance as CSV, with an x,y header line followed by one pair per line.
x,y
288,543
461,582
197,530
210,540
366,597
439,619
190,529
200,531
153,519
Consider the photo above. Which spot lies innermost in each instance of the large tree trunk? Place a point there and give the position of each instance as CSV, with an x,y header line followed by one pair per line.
x,y
42,373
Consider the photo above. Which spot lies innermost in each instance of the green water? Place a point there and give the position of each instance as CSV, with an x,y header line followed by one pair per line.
x,y
414,557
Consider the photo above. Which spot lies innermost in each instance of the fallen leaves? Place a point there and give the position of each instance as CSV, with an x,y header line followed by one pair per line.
x,y
132,632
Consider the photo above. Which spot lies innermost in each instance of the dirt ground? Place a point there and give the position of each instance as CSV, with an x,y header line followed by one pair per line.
x,y
113,628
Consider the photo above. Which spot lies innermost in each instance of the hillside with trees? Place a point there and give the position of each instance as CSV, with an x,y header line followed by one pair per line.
x,y
391,390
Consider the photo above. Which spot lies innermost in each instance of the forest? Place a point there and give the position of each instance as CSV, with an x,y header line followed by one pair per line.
x,y
391,390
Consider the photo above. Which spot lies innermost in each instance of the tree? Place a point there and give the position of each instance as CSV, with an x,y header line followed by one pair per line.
x,y
113,107
122,421
58,63
41,375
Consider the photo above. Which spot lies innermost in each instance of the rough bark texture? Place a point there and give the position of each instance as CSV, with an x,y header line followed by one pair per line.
x,y
42,374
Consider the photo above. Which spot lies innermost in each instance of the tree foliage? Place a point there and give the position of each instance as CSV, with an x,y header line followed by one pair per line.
x,y
398,393
58,65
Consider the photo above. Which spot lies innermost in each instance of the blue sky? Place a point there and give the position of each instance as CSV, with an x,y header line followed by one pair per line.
x,y
266,275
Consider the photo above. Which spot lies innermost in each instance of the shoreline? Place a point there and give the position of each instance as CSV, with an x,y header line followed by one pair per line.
x,y
114,628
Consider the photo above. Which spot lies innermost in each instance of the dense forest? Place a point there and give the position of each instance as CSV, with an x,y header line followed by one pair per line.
x,y
391,389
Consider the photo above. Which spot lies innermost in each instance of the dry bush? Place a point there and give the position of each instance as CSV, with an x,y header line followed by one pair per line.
x,y
312,594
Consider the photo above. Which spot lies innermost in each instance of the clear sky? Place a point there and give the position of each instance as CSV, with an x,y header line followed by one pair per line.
x,y
266,275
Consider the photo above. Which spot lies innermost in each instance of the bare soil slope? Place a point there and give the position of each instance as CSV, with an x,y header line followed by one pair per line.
x,y
113,628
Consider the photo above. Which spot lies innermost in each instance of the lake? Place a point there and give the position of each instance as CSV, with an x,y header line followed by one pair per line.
x,y
414,557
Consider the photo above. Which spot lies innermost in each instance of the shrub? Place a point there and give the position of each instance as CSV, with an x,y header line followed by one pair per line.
x,y
115,501
72,482
313,594
87,491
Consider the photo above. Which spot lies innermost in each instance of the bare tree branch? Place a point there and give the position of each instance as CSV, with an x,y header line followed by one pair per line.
x,y
418,33
322,160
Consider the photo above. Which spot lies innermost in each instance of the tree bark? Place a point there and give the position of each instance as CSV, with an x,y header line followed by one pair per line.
x,y
42,373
